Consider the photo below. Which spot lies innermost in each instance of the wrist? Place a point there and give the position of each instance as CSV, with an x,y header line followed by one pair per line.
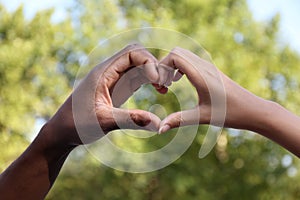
x,y
61,129
47,154
280,125
267,117
51,143
260,115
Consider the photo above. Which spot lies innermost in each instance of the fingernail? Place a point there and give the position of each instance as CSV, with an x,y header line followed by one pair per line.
x,y
164,129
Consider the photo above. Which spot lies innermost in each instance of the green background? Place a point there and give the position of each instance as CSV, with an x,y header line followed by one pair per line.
x,y
39,60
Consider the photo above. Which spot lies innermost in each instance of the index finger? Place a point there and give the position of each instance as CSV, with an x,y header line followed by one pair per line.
x,y
187,63
178,60
132,56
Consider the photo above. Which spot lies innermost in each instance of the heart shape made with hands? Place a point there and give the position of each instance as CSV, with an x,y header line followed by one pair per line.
x,y
171,68
99,95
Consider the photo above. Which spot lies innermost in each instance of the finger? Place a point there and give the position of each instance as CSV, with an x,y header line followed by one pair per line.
x,y
139,56
163,90
170,79
186,62
123,88
166,74
178,76
131,56
178,119
126,86
136,83
149,70
135,119
160,89
163,75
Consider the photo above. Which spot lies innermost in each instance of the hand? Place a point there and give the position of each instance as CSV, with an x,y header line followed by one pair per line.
x,y
86,115
97,98
221,101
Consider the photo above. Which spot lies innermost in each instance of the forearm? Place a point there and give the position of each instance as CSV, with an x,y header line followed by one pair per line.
x,y
33,173
278,124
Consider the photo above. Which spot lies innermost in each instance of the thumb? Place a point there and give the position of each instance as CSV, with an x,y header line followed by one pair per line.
x,y
135,119
178,119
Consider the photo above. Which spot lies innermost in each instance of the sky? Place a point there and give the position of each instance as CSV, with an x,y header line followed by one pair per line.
x,y
289,11
262,10
32,6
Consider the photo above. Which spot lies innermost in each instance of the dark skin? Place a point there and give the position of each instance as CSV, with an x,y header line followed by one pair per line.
x,y
34,172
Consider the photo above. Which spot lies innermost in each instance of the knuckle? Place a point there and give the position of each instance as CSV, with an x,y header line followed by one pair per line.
x,y
180,121
138,120
177,120
175,53
129,123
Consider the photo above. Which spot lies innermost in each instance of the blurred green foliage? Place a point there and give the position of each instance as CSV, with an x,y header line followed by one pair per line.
x,y
38,65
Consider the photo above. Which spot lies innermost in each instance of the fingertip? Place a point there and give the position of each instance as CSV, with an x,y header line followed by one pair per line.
x,y
153,77
154,122
172,121
151,72
162,90
164,129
